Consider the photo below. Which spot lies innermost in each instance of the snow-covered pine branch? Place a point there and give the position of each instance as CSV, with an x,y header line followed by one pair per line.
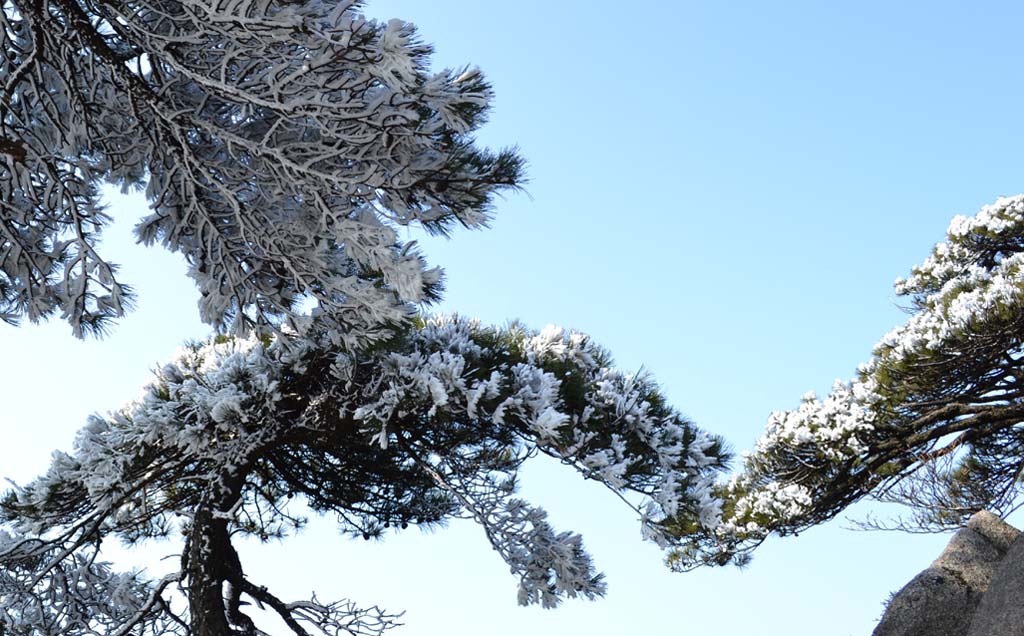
x,y
48,590
430,423
280,144
934,420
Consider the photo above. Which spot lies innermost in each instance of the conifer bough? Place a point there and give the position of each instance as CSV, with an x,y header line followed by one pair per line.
x,y
279,144
935,420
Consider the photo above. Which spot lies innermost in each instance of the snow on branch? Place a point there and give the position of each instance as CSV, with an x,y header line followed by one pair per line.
x,y
431,423
280,145
933,420
47,590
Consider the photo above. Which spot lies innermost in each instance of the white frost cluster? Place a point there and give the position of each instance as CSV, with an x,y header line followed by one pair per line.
x,y
976,274
550,565
774,501
834,427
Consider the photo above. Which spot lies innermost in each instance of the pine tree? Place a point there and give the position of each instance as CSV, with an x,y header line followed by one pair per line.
x,y
934,420
431,423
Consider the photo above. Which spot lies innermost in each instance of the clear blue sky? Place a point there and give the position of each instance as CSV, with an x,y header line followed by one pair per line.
x,y
721,193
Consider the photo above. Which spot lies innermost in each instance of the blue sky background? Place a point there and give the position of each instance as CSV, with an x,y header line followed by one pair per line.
x,y
721,193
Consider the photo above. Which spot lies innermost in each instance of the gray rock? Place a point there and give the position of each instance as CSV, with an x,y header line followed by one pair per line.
x,y
1001,612
941,600
1000,533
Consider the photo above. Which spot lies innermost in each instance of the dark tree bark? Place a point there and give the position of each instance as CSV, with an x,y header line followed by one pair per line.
x,y
206,563
213,570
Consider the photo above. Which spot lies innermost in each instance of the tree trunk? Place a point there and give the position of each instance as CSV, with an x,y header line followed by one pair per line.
x,y
213,561
208,562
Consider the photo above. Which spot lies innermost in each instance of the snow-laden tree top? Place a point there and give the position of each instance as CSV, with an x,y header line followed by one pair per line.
x,y
430,424
935,419
280,144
